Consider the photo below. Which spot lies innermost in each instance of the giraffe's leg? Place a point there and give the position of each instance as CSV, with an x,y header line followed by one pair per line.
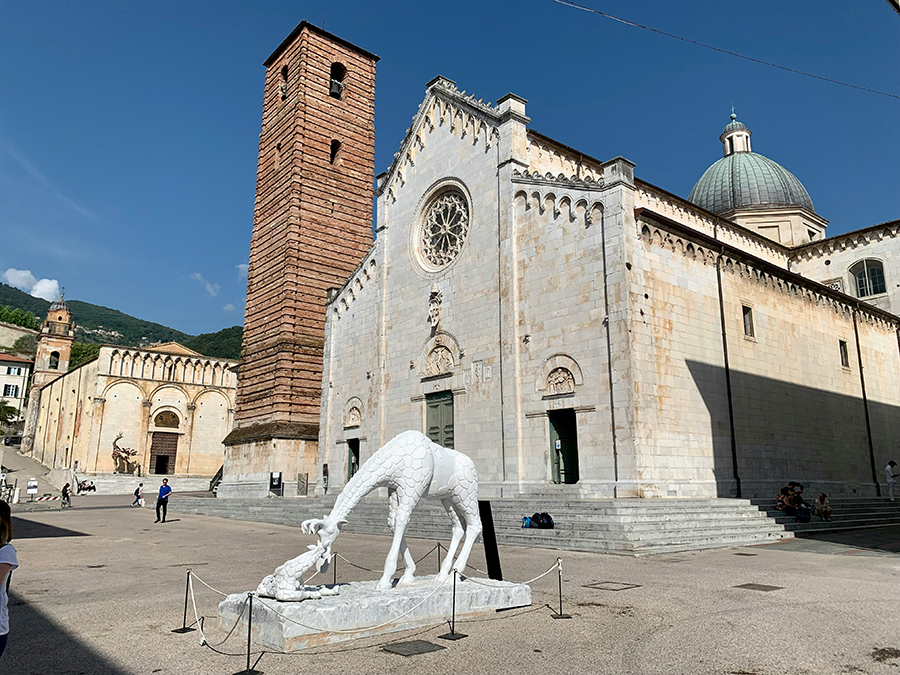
x,y
469,508
455,538
409,563
406,503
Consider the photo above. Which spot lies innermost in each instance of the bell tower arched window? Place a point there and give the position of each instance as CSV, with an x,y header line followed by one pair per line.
x,y
338,73
54,360
869,277
282,85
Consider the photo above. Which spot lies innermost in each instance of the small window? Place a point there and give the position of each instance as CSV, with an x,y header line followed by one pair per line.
x,y
338,73
54,361
811,234
13,370
335,151
11,390
748,322
282,86
869,276
845,356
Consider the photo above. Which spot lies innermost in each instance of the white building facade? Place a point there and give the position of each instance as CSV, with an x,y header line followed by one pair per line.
x,y
14,374
579,332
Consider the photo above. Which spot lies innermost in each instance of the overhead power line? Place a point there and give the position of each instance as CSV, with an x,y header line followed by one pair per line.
x,y
575,5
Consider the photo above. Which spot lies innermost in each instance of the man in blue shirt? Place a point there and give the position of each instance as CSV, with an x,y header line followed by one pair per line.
x,y
162,501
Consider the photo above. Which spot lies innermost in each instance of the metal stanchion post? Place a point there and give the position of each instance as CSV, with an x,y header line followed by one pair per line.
x,y
560,614
453,635
439,557
249,670
187,589
334,570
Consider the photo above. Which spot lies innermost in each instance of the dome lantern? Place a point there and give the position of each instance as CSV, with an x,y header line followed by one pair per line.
x,y
735,137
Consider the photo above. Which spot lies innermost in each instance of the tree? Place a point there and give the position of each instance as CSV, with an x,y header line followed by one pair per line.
x,y
8,412
82,353
27,344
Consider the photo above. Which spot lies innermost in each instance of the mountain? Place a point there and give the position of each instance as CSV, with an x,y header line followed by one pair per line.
x,y
101,325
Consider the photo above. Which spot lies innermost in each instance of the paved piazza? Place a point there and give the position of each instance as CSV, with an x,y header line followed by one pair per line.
x,y
101,586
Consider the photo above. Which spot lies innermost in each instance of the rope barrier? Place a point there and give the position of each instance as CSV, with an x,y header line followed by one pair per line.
x,y
224,595
203,640
556,565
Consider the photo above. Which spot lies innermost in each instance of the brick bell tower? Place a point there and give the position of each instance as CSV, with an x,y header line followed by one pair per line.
x,y
312,224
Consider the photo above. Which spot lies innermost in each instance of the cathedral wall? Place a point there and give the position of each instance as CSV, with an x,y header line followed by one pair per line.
x,y
798,411
454,150
830,263
681,423
63,431
351,376
561,350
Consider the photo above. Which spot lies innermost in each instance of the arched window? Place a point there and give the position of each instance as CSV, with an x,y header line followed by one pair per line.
x,y
54,360
282,86
167,419
338,73
335,151
869,276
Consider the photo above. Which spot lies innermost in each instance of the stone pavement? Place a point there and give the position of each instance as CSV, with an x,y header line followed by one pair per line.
x,y
101,586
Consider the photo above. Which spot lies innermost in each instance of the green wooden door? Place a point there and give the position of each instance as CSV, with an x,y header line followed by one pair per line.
x,y
439,418
563,446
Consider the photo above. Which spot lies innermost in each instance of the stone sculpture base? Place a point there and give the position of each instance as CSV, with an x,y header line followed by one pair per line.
x,y
361,609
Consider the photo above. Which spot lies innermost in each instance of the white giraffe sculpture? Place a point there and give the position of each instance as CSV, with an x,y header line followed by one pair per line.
x,y
410,466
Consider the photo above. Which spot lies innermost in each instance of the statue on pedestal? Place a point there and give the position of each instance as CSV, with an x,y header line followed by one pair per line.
x,y
411,467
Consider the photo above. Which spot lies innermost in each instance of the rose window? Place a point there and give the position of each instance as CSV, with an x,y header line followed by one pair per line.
x,y
444,230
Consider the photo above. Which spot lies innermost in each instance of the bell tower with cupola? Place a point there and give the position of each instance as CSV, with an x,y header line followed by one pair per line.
x,y
54,347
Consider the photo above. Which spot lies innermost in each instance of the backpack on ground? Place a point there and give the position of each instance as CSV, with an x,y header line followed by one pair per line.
x,y
542,521
526,522
803,514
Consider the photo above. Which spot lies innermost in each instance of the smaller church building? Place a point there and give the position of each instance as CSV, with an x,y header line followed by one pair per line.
x,y
160,410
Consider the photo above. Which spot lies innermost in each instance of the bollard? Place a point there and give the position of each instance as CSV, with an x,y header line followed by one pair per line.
x,y
560,614
187,589
439,557
334,570
453,635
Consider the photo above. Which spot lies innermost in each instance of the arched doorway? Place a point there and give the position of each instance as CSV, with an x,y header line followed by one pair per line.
x,y
164,444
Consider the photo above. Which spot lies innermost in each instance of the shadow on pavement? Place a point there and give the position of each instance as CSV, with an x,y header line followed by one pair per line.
x,y
885,539
29,529
38,645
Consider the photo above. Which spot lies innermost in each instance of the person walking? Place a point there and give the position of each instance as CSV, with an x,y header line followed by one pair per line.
x,y
138,495
66,496
162,500
891,478
8,562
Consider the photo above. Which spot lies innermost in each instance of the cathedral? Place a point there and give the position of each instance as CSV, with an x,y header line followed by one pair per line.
x,y
575,330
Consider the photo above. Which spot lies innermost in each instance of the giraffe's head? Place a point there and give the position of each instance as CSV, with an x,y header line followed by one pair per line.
x,y
328,529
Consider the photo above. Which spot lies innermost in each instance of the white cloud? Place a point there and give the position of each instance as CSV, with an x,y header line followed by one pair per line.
x,y
48,289
212,289
228,308
22,279
242,271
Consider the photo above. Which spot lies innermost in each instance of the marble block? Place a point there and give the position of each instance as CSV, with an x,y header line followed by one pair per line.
x,y
361,611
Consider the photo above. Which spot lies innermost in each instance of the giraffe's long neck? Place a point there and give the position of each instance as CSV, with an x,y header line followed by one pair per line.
x,y
367,479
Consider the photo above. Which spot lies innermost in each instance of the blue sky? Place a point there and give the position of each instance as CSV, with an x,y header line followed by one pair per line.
x,y
129,131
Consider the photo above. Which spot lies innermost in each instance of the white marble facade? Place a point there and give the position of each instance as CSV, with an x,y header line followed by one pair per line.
x,y
554,297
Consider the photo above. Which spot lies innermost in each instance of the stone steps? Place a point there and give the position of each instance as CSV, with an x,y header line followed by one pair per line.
x,y
634,527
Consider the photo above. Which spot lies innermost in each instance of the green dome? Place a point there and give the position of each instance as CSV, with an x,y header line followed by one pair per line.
x,y
746,180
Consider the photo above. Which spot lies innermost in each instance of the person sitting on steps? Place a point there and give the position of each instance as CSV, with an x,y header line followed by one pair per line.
x,y
823,507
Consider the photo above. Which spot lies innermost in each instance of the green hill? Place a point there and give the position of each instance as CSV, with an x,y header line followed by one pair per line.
x,y
101,325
